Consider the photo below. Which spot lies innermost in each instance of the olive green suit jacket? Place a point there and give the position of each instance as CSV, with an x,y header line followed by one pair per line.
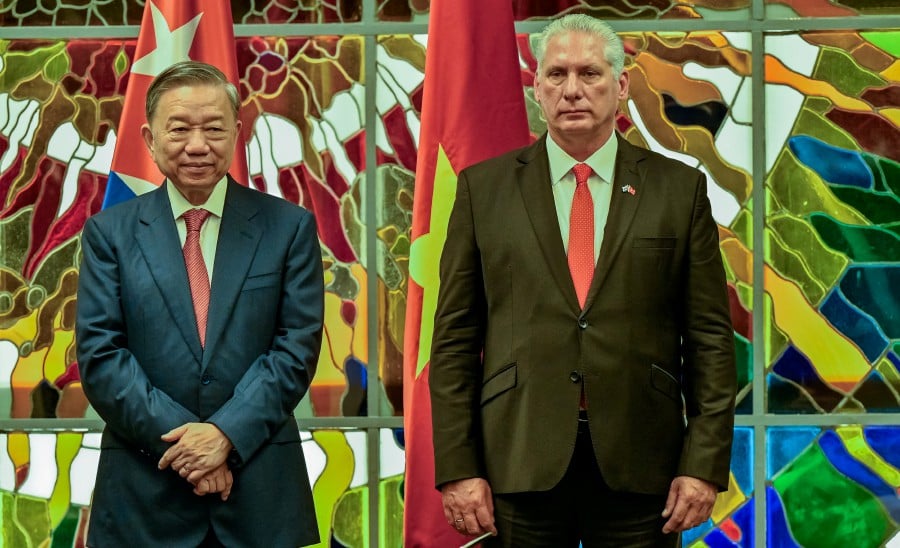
x,y
653,347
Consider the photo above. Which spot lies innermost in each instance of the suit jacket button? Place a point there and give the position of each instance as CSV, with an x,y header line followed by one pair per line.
x,y
574,376
205,379
582,323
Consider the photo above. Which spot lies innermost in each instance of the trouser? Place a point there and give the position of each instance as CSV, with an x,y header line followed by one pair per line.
x,y
581,508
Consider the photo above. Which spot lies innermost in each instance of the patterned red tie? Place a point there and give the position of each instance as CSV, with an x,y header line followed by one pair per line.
x,y
198,277
581,234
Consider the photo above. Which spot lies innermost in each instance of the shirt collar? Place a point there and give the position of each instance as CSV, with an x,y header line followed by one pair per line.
x,y
602,161
215,204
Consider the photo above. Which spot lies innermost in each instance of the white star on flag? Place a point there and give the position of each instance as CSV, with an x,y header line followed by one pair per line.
x,y
172,46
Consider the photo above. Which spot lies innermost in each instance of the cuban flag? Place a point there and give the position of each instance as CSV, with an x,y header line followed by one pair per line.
x,y
171,31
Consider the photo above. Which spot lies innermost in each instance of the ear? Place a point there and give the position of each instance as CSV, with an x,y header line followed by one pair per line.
x,y
148,137
537,87
623,85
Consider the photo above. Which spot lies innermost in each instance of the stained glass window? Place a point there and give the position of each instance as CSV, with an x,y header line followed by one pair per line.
x,y
809,238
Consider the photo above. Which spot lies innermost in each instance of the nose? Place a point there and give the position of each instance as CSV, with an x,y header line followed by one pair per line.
x,y
196,142
572,87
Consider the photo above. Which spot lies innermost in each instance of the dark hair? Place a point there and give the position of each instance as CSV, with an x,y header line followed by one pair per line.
x,y
189,73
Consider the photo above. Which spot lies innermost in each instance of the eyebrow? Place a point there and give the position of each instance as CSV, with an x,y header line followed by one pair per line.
x,y
187,119
596,66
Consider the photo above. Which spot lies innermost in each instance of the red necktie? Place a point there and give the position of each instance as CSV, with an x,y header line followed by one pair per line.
x,y
198,277
581,234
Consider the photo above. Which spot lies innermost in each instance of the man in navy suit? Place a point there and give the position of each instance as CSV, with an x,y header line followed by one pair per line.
x,y
197,375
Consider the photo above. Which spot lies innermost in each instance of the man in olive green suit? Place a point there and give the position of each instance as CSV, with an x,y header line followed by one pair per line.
x,y
570,405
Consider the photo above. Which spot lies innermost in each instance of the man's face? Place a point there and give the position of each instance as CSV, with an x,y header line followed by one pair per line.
x,y
577,90
191,137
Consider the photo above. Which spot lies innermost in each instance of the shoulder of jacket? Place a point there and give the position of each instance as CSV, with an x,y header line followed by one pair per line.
x,y
503,162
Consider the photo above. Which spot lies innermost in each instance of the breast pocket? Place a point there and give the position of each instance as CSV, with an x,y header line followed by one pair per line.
x,y
661,243
654,255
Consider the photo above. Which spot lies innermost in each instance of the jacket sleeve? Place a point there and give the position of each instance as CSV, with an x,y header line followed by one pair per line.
x,y
709,369
278,379
112,378
455,368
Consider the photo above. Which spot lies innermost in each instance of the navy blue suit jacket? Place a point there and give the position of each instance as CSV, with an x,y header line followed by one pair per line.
x,y
144,371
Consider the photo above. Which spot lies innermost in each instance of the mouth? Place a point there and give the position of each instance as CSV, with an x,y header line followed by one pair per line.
x,y
196,167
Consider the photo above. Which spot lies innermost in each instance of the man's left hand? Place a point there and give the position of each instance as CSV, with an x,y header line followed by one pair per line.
x,y
198,449
219,481
689,504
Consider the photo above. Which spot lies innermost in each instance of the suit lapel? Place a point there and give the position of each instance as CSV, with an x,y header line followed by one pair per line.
x,y
238,241
622,209
534,177
158,241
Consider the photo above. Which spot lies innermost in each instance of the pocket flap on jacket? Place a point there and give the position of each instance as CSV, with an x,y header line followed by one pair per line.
x,y
499,383
262,280
665,382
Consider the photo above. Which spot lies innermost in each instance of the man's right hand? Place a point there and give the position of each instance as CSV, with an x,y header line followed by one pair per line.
x,y
219,481
469,506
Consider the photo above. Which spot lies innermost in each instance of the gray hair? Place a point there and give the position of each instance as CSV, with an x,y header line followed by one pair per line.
x,y
614,50
189,73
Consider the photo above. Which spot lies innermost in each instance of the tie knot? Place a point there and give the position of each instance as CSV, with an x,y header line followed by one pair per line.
x,y
582,172
194,219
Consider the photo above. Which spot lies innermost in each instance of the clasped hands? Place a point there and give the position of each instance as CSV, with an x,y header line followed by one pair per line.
x,y
198,454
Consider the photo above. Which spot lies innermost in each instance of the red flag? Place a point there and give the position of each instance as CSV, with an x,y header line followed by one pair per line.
x,y
171,31
473,109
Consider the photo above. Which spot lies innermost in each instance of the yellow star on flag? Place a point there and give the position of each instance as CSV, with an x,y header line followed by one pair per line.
x,y
425,252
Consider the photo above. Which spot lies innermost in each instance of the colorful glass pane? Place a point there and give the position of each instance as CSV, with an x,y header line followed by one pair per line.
x,y
833,487
409,10
832,211
28,13
732,522
830,8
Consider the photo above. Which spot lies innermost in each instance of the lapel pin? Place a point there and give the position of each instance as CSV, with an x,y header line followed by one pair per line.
x,y
629,189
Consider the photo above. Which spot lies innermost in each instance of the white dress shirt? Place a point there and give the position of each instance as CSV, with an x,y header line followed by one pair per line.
x,y
600,183
209,232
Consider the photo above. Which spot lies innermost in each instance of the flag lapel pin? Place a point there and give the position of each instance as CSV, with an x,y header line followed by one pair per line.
x,y
629,189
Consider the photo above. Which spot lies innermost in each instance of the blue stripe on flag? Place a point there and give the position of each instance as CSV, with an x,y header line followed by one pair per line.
x,y
116,191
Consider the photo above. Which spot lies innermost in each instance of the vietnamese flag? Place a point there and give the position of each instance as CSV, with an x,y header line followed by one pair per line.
x,y
171,31
473,109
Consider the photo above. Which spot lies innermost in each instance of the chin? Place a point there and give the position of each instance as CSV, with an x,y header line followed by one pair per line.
x,y
575,129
